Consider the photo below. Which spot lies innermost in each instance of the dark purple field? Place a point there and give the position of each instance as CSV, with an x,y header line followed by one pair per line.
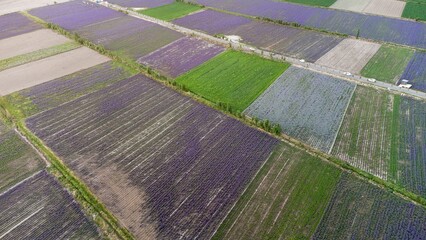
x,y
295,42
75,14
181,56
39,208
14,24
166,166
416,71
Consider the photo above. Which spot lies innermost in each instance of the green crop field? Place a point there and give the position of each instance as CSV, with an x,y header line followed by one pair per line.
x,y
323,3
17,159
233,78
364,139
415,10
388,64
37,55
287,198
171,11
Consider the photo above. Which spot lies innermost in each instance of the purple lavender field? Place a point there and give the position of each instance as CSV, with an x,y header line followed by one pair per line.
x,y
181,56
75,14
370,26
416,71
212,22
56,92
141,3
360,210
14,24
166,166
39,208
285,40
411,158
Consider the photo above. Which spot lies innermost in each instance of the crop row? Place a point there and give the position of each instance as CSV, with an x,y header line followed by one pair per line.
x,y
155,158
308,105
39,208
14,24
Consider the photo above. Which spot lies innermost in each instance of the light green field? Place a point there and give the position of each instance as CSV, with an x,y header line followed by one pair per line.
x,y
286,200
37,55
171,11
233,78
388,64
323,3
415,9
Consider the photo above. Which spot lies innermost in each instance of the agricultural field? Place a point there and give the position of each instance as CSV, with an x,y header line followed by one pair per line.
x,y
309,106
287,199
415,10
388,64
75,14
37,55
44,70
14,24
212,22
349,55
171,11
58,91
140,4
282,39
391,8
351,5
416,71
360,210
322,3
29,42
181,56
17,159
410,161
163,164
38,208
233,78
364,139
21,5
372,27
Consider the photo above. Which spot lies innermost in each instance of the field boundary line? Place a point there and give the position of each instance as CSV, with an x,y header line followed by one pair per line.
x,y
343,118
21,222
20,182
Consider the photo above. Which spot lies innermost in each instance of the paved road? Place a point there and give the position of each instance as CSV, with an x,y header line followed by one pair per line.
x,y
276,56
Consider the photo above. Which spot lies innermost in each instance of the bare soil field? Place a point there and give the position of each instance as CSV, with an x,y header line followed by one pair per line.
x,y
350,55
390,8
9,6
31,74
29,42
351,5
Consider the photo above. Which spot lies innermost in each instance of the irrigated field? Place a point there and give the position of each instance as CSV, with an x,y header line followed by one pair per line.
x,y
364,139
171,11
44,70
410,149
360,210
416,71
56,92
287,199
14,24
39,208
309,106
233,78
164,165
181,56
350,55
388,64
17,159
30,42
